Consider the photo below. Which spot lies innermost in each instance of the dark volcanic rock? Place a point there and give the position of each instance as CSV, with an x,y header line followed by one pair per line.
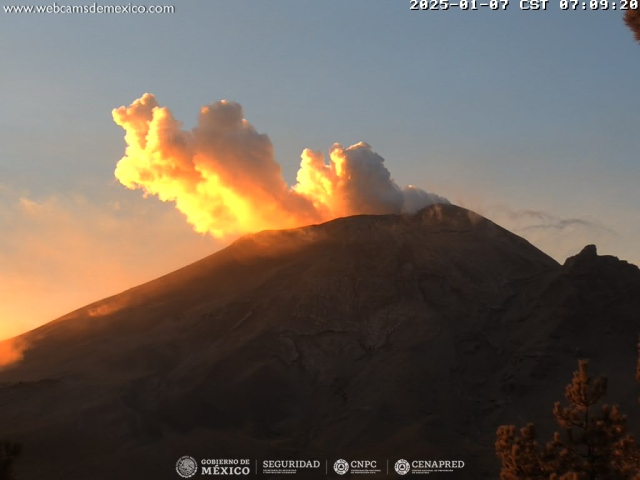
x,y
366,337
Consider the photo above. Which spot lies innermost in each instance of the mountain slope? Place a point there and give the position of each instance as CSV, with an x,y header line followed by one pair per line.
x,y
368,336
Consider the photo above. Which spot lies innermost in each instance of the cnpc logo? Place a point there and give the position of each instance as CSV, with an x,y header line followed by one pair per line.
x,y
341,466
356,466
363,464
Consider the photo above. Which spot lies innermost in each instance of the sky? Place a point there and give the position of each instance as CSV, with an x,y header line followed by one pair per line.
x,y
529,118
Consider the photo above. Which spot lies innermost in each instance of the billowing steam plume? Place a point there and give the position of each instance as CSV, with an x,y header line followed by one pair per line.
x,y
632,19
11,351
223,176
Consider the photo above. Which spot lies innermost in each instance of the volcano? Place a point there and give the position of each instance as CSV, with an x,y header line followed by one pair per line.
x,y
366,337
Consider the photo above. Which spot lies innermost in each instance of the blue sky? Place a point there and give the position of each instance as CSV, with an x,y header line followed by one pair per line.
x,y
527,117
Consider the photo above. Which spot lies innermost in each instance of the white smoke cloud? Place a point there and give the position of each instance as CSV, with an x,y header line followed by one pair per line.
x,y
222,174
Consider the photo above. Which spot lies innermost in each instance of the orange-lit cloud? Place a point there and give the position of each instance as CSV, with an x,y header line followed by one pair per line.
x,y
65,251
222,174
11,351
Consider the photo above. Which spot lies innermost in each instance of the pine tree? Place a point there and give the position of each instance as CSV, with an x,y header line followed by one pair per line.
x,y
632,19
520,455
594,444
9,452
638,363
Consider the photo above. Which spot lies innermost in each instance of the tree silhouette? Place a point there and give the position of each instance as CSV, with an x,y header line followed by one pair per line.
x,y
521,455
632,19
638,363
593,445
9,452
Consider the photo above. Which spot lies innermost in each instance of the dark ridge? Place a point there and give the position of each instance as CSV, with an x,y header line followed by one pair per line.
x,y
391,336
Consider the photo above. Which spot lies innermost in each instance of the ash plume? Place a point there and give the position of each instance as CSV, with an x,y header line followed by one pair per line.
x,y
223,176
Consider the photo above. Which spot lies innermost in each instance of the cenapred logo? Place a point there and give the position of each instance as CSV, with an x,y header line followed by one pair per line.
x,y
186,466
402,467
341,466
